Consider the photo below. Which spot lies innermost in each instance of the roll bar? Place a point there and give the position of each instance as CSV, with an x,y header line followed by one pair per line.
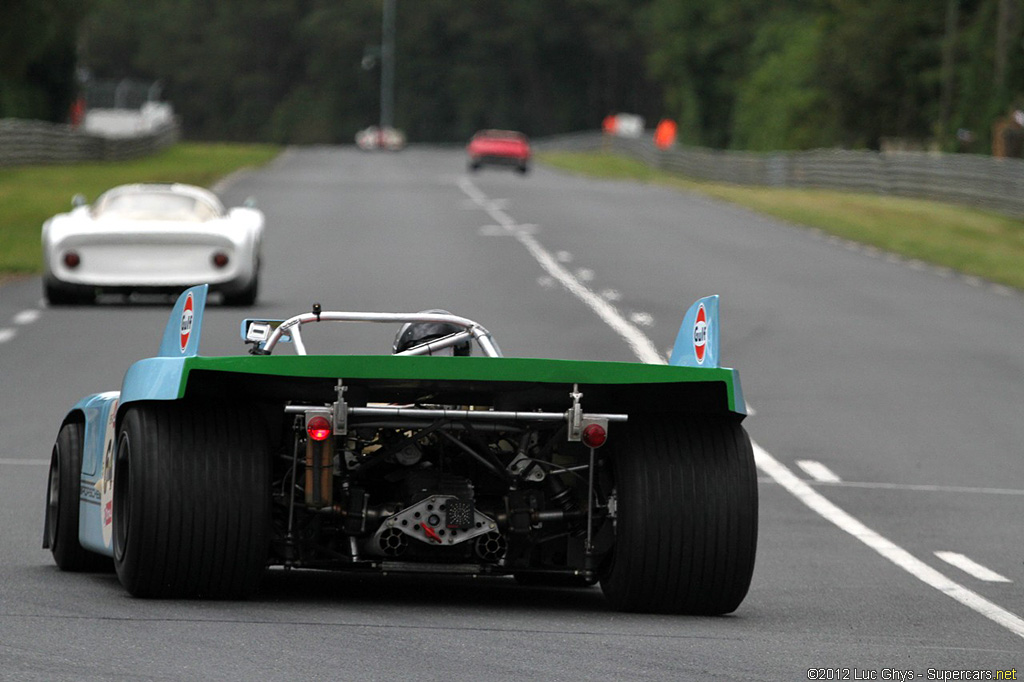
x,y
266,334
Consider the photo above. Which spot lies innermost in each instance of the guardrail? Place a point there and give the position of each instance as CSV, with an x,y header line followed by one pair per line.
x,y
25,142
994,184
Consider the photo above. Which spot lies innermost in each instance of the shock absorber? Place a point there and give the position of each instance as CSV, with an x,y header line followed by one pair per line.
x,y
562,495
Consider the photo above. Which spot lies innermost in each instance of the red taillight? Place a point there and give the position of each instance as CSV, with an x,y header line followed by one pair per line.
x,y
220,259
594,436
72,259
318,428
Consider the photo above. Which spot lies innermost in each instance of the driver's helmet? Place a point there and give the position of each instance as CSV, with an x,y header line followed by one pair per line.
x,y
414,333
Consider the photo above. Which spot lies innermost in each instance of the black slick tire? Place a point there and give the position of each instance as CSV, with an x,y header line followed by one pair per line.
x,y
58,295
191,501
686,526
62,504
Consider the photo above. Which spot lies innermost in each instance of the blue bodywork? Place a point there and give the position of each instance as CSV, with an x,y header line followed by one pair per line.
x,y
157,378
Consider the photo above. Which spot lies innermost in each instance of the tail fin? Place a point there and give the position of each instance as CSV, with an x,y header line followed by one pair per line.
x,y
181,336
697,342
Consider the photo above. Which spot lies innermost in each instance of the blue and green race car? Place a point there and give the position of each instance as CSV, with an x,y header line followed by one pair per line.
x,y
202,473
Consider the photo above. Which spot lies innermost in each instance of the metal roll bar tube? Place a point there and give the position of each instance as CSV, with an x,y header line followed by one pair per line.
x,y
470,329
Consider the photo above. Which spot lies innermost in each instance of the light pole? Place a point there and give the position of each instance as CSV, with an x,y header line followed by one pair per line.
x,y
387,66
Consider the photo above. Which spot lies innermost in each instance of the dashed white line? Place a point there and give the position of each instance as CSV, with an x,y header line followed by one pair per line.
x,y
967,565
818,471
26,316
894,553
637,340
6,335
646,352
917,486
585,275
642,319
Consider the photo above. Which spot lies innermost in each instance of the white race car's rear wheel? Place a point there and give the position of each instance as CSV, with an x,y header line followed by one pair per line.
x,y
57,294
62,504
246,296
686,526
191,501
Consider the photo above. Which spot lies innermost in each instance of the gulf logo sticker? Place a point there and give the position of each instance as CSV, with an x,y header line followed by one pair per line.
x,y
186,321
700,334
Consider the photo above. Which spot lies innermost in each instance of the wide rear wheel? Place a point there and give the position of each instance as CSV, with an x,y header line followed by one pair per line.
x,y
191,500
686,517
62,504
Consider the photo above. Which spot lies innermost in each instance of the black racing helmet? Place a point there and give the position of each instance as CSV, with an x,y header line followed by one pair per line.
x,y
414,333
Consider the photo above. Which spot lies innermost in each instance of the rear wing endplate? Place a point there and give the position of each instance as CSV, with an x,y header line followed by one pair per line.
x,y
697,342
184,326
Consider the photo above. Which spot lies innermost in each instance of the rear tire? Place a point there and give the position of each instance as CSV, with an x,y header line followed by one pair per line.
x,y
246,296
57,295
62,504
191,501
686,530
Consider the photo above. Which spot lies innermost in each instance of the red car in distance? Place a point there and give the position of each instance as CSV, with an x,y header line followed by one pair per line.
x,y
499,148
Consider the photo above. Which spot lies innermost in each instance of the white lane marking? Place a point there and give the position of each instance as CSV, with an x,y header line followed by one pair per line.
x,y
611,295
891,551
26,462
585,275
817,471
969,566
646,352
563,257
26,316
912,486
493,231
642,319
637,340
6,335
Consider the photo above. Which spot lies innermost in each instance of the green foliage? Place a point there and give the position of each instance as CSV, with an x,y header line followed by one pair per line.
x,y
761,74
37,57
881,64
780,105
292,70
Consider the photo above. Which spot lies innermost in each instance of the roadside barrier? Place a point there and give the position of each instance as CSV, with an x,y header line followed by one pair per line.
x,y
989,183
24,142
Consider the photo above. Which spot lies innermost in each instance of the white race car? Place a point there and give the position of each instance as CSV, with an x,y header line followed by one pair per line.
x,y
152,238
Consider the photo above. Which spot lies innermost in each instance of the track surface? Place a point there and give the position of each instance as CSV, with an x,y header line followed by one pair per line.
x,y
906,383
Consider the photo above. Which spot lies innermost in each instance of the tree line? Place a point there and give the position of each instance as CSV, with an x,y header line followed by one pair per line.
x,y
740,74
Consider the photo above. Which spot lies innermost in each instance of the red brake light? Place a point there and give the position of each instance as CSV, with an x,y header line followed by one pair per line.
x,y
594,436
318,428
220,259
72,259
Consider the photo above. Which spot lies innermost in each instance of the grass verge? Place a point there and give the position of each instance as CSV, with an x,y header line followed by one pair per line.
x,y
31,194
970,241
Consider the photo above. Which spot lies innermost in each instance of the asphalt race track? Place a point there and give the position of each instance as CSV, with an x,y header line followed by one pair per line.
x,y
887,400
